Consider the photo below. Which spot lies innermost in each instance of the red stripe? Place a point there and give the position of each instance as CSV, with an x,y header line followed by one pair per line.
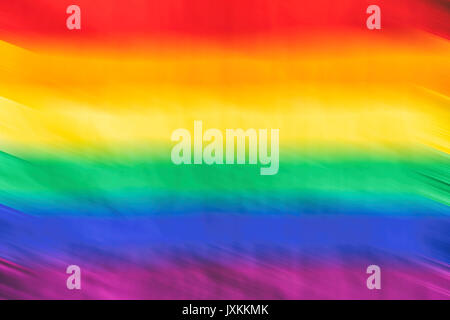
x,y
216,19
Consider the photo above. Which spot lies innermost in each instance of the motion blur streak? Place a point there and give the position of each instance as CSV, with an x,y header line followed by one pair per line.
x,y
85,171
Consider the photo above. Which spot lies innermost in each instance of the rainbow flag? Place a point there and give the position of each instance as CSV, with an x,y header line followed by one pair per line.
x,y
86,177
